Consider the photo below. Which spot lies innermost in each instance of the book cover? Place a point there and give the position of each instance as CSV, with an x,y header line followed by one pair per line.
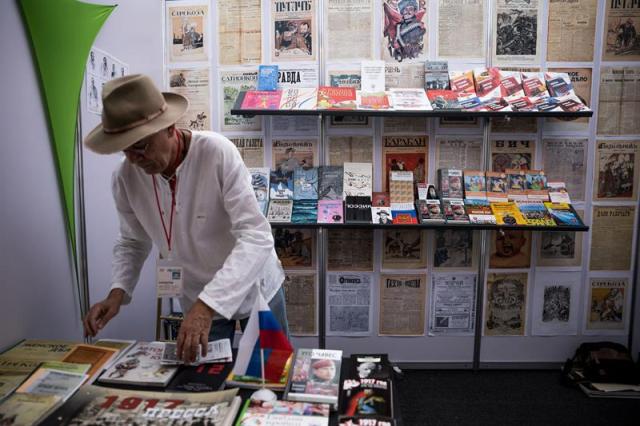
x,y
261,99
451,183
559,84
558,193
497,104
281,185
299,98
381,215
304,211
571,104
260,183
497,186
487,81
305,183
517,184
404,217
537,185
46,381
369,366
140,366
39,350
436,75
357,209
381,199
547,104
267,77
358,179
330,211
366,421
372,76
280,211
207,377
331,180
409,100
372,100
507,214
98,357
563,214
471,103
461,82
27,409
479,211
430,211
522,104
475,185
443,99
535,213
315,376
454,211
534,85
336,98
511,84
366,397
277,413
401,187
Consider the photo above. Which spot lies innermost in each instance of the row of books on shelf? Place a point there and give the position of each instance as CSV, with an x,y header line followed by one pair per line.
x,y
475,90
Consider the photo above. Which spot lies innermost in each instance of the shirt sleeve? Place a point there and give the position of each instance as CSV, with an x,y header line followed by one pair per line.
x,y
132,245
243,267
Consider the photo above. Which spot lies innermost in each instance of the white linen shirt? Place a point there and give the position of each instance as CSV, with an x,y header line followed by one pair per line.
x,y
220,237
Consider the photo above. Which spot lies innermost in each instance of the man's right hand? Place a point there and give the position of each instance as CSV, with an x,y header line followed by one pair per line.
x,y
100,313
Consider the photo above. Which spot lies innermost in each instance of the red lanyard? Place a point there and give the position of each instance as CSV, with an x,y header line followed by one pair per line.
x,y
173,182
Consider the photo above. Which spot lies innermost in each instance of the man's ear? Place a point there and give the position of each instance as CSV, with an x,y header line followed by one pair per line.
x,y
171,130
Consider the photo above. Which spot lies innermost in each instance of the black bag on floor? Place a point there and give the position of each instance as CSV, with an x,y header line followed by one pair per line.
x,y
603,362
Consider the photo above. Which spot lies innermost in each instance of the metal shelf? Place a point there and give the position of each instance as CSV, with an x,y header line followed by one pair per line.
x,y
469,226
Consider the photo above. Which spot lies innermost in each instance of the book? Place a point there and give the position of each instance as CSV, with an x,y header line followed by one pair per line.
x,y
432,194
571,104
281,185
430,211
535,213
436,75
358,179
404,217
422,190
122,346
304,211
536,185
523,104
461,82
563,214
534,85
357,209
45,381
267,77
475,185
280,211
443,99
315,376
217,351
547,104
366,397
200,378
381,215
497,186
381,199
330,211
369,366
454,211
305,183
401,187
94,405
487,83
99,357
497,104
39,350
471,103
23,409
511,84
336,98
261,99
450,182
249,382
507,213
558,192
299,98
409,100
559,84
517,184
479,211
276,413
372,100
610,390
366,421
260,183
141,366
330,182
372,76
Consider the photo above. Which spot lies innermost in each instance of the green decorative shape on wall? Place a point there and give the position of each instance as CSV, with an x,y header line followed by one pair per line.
x,y
62,33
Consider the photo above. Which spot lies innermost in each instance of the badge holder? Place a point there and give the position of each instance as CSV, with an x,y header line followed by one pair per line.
x,y
169,284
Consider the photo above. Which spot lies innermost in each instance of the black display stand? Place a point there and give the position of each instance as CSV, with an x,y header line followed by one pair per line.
x,y
458,226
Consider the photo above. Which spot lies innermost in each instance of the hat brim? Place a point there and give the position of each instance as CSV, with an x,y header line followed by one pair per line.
x,y
109,143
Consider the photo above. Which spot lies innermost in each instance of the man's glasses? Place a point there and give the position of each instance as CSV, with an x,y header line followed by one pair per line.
x,y
138,148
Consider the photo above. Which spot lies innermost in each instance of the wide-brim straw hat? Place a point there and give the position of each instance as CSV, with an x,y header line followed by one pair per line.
x,y
133,108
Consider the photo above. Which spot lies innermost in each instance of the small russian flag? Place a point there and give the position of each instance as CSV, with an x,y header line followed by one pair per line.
x,y
262,332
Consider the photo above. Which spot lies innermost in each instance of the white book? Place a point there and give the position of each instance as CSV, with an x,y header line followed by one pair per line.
x,y
358,179
142,365
280,211
409,100
217,351
46,381
299,98
372,77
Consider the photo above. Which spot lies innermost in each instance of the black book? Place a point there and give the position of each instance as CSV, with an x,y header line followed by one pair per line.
x,y
200,378
357,209
366,421
330,187
366,398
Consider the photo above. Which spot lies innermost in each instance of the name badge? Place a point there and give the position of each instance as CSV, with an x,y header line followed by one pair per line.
x,y
169,279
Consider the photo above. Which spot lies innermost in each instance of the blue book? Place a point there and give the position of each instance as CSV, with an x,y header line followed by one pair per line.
x,y
281,185
304,211
267,77
305,183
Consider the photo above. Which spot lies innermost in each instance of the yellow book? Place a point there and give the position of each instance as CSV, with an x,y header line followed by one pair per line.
x,y
23,409
507,214
97,356
40,350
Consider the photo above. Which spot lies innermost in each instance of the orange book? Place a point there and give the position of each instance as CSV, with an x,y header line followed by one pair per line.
x,y
97,356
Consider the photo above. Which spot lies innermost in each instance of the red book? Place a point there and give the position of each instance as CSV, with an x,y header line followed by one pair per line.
x,y
443,99
336,98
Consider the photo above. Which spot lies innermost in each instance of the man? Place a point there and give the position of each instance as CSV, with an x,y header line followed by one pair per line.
x,y
511,249
190,194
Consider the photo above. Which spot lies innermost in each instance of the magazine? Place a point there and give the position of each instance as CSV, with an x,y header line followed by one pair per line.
x,y
142,365
315,376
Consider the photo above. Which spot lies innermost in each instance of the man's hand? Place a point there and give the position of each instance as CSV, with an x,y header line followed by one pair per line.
x,y
100,313
193,331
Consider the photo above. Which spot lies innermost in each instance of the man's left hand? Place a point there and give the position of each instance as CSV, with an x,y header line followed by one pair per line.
x,y
193,331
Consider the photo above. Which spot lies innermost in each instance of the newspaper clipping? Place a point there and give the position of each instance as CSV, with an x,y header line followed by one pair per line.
x,y
506,304
402,305
405,153
404,30
287,154
608,304
352,21
459,152
295,247
555,303
512,154
350,250
300,292
404,249
294,30
619,102
565,160
393,125
572,29
234,82
188,32
510,248
251,150
516,33
581,81
404,76
454,249
611,238
350,149
239,32
454,15
193,84
560,248
349,308
622,20
616,170
453,304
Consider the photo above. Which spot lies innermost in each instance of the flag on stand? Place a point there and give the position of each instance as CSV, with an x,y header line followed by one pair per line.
x,y
262,332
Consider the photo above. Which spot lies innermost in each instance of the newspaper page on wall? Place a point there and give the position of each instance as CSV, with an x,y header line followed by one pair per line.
x,y
404,31
349,29
402,305
404,249
251,149
581,81
622,24
607,307
405,153
295,247
572,30
193,84
287,154
294,31
512,154
453,304
616,170
350,250
454,249
290,76
506,304
565,160
560,248
619,101
187,31
555,303
516,26
300,293
101,67
349,308
459,152
239,32
461,29
350,149
232,83
397,76
611,238
510,248
394,125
